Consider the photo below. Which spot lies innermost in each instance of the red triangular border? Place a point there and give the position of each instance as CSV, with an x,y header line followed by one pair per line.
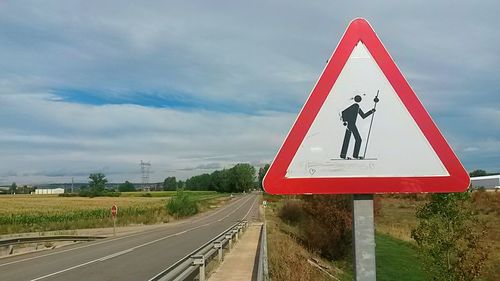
x,y
275,181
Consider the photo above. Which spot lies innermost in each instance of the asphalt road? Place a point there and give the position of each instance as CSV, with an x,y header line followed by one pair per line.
x,y
138,256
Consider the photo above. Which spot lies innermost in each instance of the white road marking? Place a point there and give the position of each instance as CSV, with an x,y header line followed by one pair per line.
x,y
64,270
116,255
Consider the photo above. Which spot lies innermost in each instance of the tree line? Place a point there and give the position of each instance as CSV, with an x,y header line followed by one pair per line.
x,y
241,177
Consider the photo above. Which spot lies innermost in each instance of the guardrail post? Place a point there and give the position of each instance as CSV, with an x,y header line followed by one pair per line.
x,y
11,249
235,231
229,238
218,246
200,260
264,240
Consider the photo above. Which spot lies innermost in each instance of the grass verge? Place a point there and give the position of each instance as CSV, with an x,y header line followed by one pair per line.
x,y
289,259
397,260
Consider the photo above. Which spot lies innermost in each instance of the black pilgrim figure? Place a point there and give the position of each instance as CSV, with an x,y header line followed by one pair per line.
x,y
349,116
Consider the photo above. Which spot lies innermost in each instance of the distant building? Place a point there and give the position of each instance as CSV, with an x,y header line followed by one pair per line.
x,y
488,182
49,191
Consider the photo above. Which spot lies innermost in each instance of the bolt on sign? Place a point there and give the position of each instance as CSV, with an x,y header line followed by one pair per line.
x,y
363,130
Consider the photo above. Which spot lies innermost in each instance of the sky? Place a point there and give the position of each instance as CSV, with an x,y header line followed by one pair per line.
x,y
195,86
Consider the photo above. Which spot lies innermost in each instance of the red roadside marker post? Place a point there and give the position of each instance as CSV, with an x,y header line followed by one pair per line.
x,y
114,212
404,151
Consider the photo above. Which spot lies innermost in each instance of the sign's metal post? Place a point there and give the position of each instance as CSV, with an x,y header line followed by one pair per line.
x,y
363,238
114,226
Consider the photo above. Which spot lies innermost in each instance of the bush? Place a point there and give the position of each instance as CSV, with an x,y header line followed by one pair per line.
x,y
291,212
182,204
68,195
329,227
91,194
450,237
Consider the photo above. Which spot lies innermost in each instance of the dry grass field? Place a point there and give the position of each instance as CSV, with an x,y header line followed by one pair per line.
x,y
38,213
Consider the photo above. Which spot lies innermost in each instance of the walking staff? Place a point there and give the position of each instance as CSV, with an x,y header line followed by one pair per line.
x,y
376,100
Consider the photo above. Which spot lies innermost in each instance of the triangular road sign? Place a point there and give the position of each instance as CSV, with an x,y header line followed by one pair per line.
x,y
363,130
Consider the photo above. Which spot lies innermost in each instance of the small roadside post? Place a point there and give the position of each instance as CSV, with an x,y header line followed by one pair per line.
x,y
114,212
321,154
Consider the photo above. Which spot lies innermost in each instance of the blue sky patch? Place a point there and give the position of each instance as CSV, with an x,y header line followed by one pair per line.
x,y
175,100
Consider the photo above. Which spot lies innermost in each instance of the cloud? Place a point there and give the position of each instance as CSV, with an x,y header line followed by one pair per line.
x,y
9,173
471,149
208,166
82,137
189,86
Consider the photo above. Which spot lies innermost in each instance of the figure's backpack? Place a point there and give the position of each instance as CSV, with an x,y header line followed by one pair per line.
x,y
343,116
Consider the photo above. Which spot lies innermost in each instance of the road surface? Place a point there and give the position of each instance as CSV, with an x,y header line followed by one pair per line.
x,y
138,256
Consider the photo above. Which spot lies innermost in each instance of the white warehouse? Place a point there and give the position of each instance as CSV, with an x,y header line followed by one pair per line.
x,y
488,182
49,191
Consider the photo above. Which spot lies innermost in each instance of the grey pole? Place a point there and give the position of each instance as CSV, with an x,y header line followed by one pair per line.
x,y
363,238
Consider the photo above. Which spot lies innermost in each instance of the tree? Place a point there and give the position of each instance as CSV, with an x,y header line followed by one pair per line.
x,y
200,182
13,188
449,237
219,181
242,177
180,184
170,183
126,186
478,173
262,173
239,178
97,183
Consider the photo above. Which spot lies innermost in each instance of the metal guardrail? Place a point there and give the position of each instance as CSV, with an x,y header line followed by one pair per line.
x,y
194,263
11,242
263,270
34,239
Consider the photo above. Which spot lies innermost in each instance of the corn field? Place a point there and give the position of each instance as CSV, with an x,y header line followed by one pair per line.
x,y
36,213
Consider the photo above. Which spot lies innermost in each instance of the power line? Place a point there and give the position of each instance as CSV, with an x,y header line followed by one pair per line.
x,y
145,168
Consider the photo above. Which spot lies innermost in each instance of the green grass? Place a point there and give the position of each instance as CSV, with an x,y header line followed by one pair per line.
x,y
397,260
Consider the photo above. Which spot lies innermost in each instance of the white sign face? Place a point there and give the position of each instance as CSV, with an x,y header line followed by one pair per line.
x,y
349,139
